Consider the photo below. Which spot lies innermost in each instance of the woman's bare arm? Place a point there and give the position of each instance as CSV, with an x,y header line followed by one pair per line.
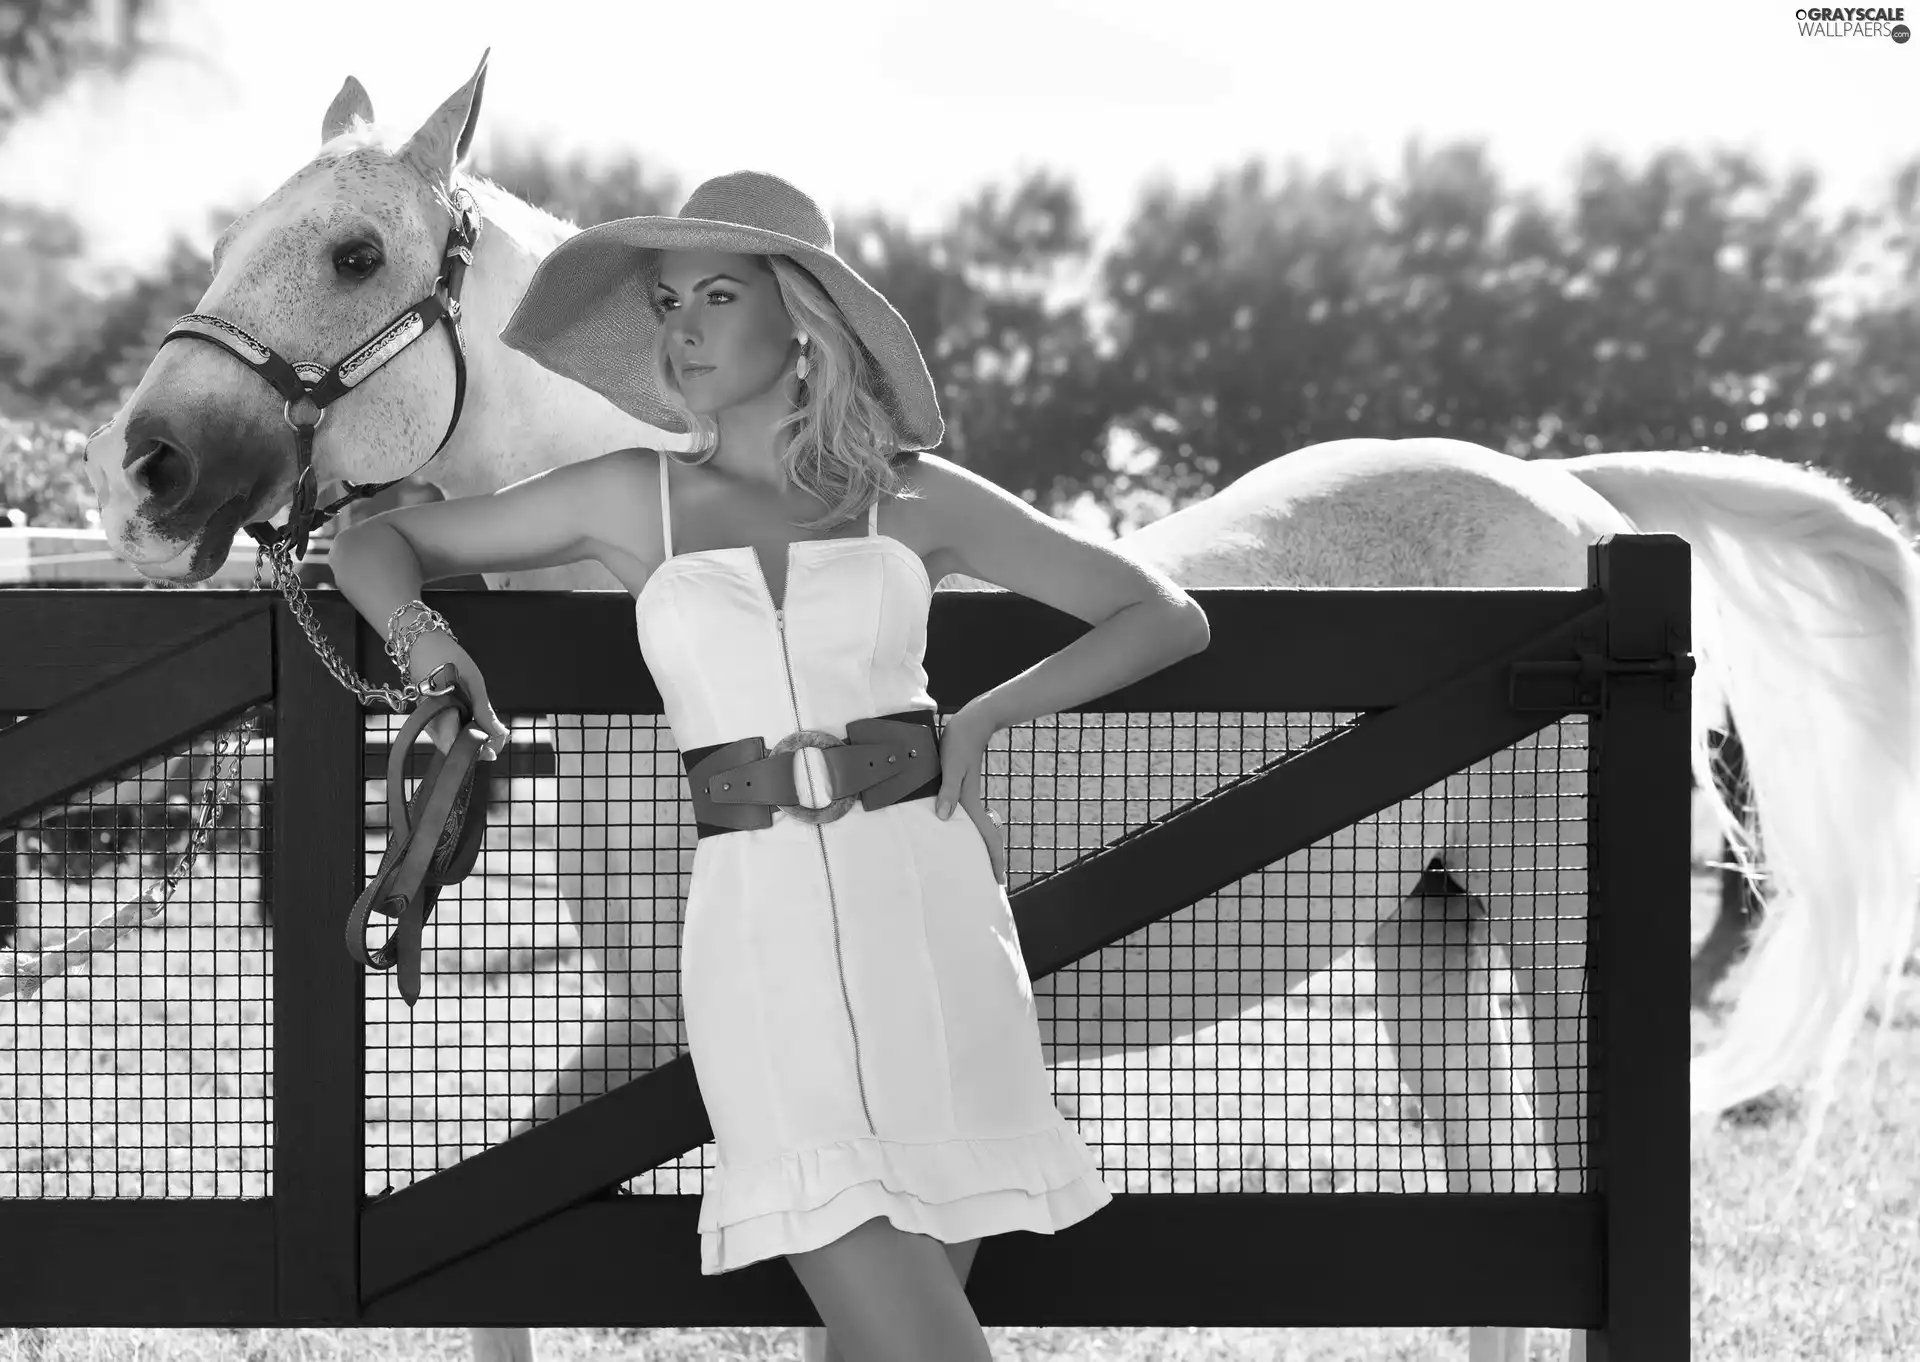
x,y
584,510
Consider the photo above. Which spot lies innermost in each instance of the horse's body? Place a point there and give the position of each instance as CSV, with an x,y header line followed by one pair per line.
x,y
1805,624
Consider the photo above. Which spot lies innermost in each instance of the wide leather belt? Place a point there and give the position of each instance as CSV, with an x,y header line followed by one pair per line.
x,y
884,760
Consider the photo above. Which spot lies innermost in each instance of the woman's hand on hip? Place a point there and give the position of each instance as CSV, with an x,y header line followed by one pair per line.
x,y
963,748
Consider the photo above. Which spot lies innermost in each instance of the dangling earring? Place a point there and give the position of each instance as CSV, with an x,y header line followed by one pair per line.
x,y
800,365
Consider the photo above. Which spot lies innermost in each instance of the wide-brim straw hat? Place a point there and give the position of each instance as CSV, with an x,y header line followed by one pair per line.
x,y
589,313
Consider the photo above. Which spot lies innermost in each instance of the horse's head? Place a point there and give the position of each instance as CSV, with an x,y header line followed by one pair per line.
x,y
203,445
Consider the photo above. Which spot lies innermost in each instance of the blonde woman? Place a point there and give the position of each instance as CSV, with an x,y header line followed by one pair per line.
x,y
858,1012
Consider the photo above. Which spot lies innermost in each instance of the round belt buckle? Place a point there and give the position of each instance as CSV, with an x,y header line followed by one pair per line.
x,y
793,742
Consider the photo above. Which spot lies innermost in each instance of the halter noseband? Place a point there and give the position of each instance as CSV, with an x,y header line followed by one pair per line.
x,y
315,387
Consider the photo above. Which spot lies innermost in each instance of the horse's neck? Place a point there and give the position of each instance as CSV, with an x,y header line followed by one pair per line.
x,y
520,418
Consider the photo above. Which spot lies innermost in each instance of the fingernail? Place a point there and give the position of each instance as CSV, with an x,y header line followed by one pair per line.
x,y
944,810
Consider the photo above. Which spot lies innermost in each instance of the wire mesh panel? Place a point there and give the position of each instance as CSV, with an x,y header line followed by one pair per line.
x,y
142,1069
1261,1039
1266,1038
550,973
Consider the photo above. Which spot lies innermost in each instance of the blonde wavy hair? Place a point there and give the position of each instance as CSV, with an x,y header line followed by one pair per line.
x,y
840,442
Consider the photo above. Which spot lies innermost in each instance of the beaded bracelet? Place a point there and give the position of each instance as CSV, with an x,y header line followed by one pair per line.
x,y
401,636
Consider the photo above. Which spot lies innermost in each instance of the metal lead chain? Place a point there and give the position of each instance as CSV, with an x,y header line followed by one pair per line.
x,y
279,557
23,977
272,565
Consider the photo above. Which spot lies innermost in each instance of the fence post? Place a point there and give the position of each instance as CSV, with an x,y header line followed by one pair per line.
x,y
1638,951
319,998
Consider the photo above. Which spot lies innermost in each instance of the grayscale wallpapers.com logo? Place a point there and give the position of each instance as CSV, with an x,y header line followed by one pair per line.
x,y
1853,22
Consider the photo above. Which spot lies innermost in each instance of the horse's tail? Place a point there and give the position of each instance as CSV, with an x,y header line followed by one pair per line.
x,y
1807,622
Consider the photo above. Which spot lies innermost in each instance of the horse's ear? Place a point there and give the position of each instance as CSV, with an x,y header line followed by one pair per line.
x,y
445,138
349,104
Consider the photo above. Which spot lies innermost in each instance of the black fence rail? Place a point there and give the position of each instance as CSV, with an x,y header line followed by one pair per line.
x,y
1190,842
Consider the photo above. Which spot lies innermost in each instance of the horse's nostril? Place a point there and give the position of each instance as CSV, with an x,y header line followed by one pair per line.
x,y
161,473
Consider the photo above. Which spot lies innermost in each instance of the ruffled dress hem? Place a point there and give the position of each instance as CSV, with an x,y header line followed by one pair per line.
x,y
950,1190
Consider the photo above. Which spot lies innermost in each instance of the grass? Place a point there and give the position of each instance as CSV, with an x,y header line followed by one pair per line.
x,y
735,1345
1831,1267
148,1073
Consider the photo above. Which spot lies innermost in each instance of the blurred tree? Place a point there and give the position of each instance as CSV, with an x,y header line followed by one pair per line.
x,y
42,475
991,299
1671,307
54,363
1859,412
37,292
1692,300
1248,320
87,364
45,44
1688,297
583,191
67,353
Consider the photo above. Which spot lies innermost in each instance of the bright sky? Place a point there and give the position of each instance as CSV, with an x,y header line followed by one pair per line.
x,y
912,105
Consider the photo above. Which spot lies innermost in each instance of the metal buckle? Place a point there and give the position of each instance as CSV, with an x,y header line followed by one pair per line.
x,y
793,742
286,413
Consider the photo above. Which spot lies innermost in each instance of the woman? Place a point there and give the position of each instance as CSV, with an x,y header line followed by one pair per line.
x,y
859,1017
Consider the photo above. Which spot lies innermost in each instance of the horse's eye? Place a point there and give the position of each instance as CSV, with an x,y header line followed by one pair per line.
x,y
356,261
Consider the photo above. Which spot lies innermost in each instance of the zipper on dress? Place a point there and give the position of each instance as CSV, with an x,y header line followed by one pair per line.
x,y
833,903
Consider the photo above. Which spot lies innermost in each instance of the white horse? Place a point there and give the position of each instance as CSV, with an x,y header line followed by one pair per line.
x,y
1805,625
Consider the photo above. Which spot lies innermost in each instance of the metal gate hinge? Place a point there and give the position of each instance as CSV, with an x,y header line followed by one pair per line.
x,y
1581,684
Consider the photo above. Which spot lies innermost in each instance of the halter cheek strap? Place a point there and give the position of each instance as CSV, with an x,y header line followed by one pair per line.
x,y
313,387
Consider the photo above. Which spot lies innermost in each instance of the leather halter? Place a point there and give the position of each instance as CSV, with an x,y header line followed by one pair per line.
x,y
315,387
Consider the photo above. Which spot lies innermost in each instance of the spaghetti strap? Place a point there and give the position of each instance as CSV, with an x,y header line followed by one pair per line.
x,y
666,517
873,519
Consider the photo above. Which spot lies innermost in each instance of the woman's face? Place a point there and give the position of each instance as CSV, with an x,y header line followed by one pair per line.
x,y
728,336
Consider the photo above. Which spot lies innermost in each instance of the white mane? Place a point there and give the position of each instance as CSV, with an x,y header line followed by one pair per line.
x,y
534,228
